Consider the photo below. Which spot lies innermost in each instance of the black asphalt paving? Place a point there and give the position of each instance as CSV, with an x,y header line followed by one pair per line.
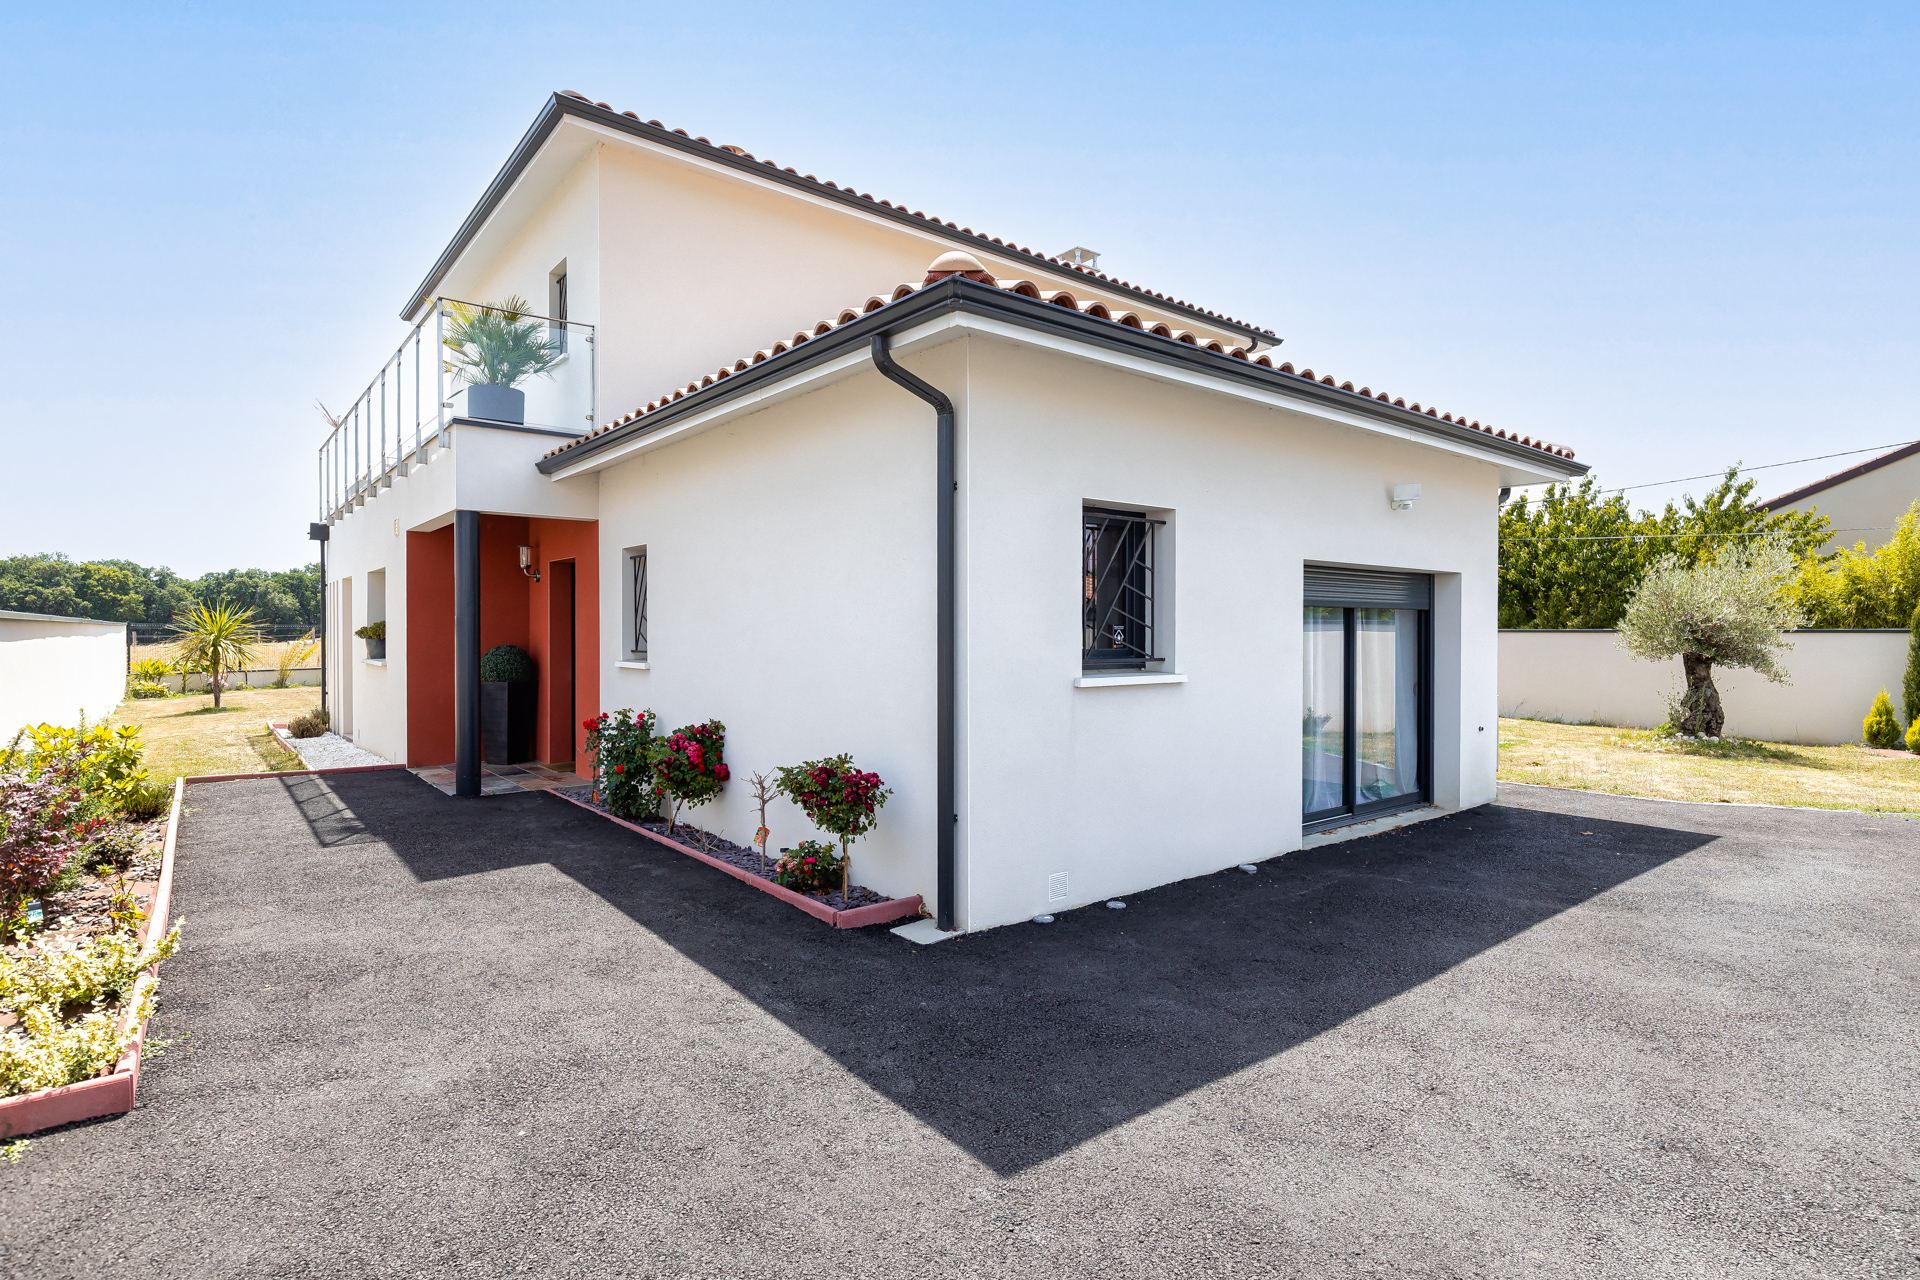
x,y
1562,1035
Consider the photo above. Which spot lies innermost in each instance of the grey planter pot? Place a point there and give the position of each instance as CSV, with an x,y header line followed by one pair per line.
x,y
377,648
507,720
496,403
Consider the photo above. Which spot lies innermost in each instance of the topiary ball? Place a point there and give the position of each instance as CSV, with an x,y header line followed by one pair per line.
x,y
506,663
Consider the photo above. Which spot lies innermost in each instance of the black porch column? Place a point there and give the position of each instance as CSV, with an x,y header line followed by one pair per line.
x,y
466,653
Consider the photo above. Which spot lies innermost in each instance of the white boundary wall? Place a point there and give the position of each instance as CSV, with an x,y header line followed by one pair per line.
x,y
1575,676
53,669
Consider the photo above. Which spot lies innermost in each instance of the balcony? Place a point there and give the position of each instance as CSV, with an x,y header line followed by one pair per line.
x,y
465,364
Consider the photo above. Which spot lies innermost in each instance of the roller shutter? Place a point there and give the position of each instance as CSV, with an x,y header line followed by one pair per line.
x,y
1367,589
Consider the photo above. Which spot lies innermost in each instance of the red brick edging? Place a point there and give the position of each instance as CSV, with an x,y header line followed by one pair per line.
x,y
112,1093
857,918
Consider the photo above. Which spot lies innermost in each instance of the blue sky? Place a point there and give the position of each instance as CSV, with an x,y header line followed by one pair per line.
x,y
1670,237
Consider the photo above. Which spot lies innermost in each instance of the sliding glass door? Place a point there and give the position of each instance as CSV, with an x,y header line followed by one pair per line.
x,y
1364,694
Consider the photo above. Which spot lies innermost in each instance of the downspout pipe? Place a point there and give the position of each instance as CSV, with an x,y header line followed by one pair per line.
x,y
948,815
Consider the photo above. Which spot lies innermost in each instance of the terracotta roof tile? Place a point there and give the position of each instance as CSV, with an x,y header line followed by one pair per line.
x,y
961,264
1009,245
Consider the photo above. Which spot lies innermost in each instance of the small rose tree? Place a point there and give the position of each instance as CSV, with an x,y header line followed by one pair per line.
x,y
622,774
688,768
838,798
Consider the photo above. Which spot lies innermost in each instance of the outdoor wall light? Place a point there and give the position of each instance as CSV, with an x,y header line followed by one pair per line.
x,y
1404,496
526,563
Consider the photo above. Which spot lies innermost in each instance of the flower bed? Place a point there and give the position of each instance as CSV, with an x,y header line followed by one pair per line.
x,y
89,914
860,907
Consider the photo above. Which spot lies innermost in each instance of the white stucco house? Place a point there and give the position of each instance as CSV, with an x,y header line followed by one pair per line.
x,y
1108,593
1863,502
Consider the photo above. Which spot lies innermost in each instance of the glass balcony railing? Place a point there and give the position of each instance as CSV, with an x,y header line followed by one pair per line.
x,y
464,362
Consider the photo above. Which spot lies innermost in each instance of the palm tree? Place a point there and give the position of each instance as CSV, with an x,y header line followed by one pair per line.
x,y
216,638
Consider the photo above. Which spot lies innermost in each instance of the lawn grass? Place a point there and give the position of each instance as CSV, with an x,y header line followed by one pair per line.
x,y
1637,762
187,736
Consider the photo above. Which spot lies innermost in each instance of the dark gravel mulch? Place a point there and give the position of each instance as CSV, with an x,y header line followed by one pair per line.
x,y
733,855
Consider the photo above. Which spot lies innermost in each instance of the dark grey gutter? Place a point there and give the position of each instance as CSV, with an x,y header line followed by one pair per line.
x,y
957,293
559,106
946,809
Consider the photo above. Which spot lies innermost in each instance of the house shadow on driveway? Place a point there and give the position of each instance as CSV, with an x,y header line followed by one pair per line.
x,y
1020,1043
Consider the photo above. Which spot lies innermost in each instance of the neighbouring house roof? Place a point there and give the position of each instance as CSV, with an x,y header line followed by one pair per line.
x,y
959,280
1806,491
568,102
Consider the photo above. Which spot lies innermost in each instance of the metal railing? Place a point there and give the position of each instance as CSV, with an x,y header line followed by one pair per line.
x,y
410,408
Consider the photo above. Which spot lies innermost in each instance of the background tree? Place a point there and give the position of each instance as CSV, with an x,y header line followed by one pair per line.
x,y
122,591
1574,557
1910,688
216,639
1728,611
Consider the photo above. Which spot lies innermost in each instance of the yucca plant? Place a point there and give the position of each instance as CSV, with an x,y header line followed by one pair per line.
x,y
292,654
216,638
498,343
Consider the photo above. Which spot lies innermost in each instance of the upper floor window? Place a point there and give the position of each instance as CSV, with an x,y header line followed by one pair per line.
x,y
557,307
1117,567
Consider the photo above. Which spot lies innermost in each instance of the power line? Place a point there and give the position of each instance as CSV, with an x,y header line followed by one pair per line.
x,y
1714,475
1647,537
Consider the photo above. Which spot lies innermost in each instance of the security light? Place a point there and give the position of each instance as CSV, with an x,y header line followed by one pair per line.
x,y
1404,496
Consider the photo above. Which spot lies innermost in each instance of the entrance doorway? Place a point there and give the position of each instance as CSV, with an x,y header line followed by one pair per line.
x,y
562,690
1366,694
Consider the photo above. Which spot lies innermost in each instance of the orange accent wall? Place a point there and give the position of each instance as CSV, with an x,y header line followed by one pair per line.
x,y
577,541
514,609
430,647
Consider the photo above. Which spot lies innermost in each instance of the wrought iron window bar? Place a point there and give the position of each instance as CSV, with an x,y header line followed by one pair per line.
x,y
638,563
1117,568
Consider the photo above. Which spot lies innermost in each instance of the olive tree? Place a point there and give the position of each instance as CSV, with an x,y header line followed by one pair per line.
x,y
1728,611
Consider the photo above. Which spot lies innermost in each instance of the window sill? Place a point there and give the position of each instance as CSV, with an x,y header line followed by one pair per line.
x,y
373,662
1110,682
633,666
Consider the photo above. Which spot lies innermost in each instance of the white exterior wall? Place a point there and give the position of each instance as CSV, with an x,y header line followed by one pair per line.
x,y
1580,676
790,558
1132,786
54,669
1871,503
791,575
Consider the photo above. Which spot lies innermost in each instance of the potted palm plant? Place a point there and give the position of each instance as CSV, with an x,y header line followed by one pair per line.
x,y
494,347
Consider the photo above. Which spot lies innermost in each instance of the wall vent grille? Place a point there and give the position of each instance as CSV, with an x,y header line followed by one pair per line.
x,y
1057,886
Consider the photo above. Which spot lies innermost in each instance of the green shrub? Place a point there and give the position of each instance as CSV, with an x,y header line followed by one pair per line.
x,y
46,987
309,724
1880,728
150,670
147,801
1910,692
815,867
373,630
147,689
506,663
104,762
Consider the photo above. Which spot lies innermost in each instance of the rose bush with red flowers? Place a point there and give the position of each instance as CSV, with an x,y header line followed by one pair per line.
x,y
620,745
815,867
838,798
688,768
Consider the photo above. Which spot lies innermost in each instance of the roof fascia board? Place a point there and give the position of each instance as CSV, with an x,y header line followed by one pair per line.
x,y
1839,478
956,294
558,107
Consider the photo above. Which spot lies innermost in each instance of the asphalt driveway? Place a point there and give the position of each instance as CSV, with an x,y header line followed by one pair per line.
x,y
1564,1035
